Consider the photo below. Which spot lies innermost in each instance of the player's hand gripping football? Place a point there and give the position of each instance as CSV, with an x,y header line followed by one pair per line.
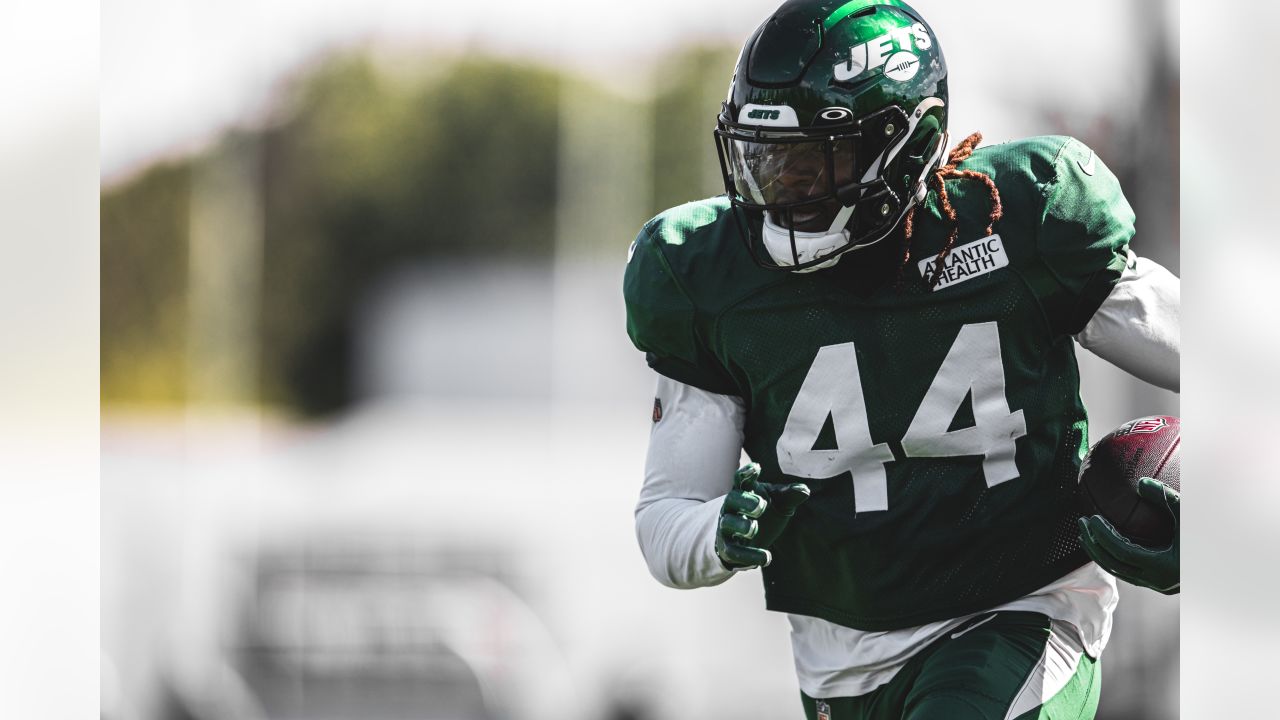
x,y
1148,567
752,517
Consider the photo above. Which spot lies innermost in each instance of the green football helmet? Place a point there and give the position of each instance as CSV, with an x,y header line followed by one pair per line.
x,y
836,115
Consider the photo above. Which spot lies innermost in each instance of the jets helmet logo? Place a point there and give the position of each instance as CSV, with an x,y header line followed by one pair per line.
x,y
895,51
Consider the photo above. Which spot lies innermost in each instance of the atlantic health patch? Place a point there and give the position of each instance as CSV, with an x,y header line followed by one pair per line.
x,y
966,262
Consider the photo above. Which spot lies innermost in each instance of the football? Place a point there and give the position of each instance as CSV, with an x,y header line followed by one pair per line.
x,y
1146,447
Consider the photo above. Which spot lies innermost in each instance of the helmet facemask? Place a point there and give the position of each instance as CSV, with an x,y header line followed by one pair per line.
x,y
821,191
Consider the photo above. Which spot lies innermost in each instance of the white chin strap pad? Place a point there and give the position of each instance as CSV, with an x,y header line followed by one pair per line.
x,y
809,245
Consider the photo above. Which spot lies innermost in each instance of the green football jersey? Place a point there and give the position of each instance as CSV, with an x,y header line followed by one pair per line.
x,y
940,429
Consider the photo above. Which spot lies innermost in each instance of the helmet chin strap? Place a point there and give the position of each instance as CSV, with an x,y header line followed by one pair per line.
x,y
808,245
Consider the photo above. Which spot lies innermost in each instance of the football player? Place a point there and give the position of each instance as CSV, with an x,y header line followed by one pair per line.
x,y
887,327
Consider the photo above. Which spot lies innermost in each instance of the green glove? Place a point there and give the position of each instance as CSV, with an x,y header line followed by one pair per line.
x,y
752,517
1148,567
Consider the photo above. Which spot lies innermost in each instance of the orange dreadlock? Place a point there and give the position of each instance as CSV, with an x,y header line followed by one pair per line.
x,y
949,172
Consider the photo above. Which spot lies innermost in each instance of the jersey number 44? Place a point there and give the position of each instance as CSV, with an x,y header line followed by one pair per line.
x,y
833,388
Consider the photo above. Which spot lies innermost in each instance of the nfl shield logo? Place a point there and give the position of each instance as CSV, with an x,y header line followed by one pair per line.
x,y
1145,425
824,711
657,409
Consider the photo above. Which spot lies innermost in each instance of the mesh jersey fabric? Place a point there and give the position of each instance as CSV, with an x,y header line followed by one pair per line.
x,y
947,544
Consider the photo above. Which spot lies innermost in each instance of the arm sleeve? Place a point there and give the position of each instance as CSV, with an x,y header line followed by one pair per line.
x,y
663,321
1137,328
1084,236
693,451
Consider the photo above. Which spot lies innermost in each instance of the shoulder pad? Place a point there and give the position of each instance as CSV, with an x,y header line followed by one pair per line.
x,y
665,317
1082,223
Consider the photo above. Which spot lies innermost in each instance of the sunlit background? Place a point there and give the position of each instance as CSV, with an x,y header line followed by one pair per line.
x,y
372,430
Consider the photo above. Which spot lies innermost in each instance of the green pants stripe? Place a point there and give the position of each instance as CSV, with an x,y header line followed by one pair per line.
x,y
1010,666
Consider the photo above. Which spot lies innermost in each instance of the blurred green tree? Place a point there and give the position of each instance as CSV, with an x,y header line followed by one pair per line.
x,y
367,174
143,287
691,86
360,171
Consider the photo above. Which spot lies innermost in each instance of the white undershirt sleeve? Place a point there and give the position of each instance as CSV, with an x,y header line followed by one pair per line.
x,y
1137,327
693,452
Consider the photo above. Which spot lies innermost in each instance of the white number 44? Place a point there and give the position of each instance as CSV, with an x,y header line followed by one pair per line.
x,y
833,388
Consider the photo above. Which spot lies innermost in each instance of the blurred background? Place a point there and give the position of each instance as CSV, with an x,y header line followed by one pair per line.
x,y
372,430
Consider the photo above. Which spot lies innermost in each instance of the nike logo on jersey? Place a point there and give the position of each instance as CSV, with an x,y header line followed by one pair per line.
x,y
967,262
984,621
1090,166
